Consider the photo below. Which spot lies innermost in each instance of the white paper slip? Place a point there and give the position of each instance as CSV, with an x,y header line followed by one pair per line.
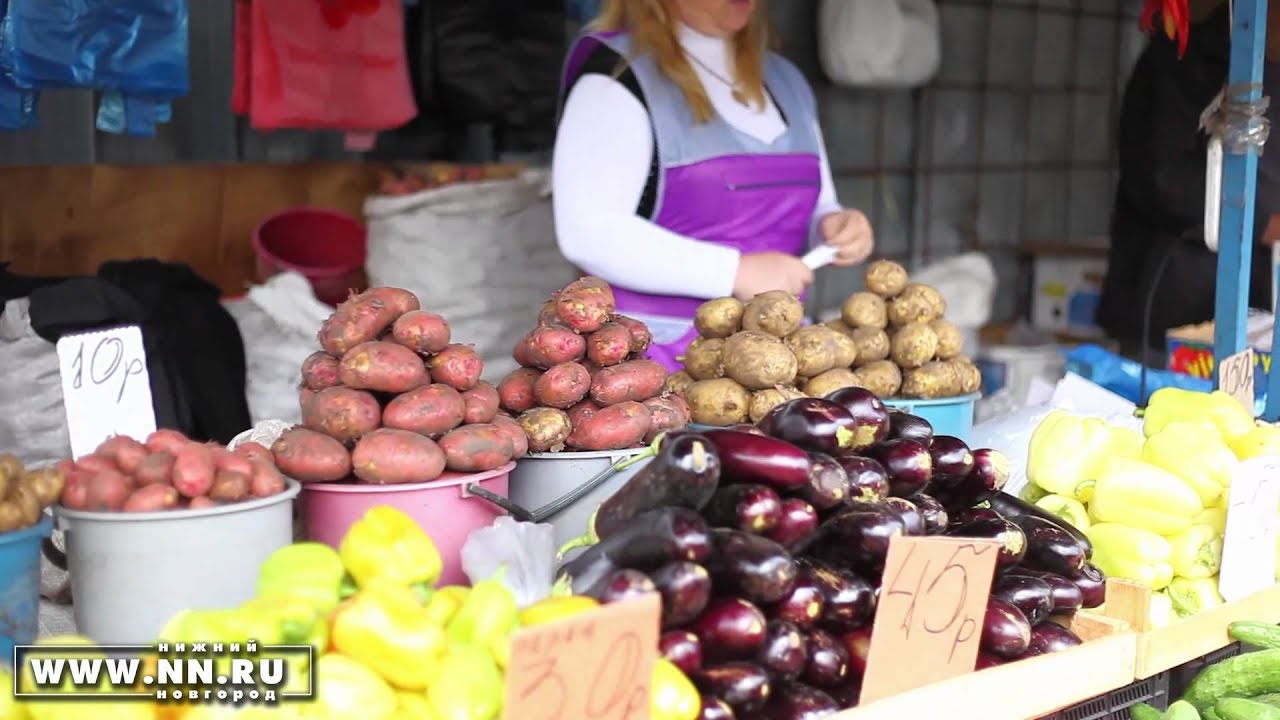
x,y
1249,547
106,389
820,256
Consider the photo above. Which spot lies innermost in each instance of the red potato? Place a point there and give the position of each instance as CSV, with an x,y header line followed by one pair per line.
x,y
193,469
611,428
562,386
482,404
124,450
320,371
523,352
550,346
476,448
203,502
170,441
308,456
668,412
363,318
65,466
266,480
549,314
225,460
430,410
516,391
546,428
519,443
75,492
304,397
640,335
609,345
107,491
421,331
586,304
97,463
389,457
582,411
254,451
458,366
155,469
382,366
230,487
152,498
634,380
342,413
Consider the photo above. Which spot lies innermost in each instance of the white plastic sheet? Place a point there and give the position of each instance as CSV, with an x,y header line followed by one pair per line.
x,y
524,552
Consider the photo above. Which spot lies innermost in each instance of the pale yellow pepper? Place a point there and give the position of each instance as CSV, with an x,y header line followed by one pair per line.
x,y
1197,552
1262,440
1198,458
1144,496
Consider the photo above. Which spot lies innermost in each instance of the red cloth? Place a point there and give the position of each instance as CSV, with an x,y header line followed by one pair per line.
x,y
322,64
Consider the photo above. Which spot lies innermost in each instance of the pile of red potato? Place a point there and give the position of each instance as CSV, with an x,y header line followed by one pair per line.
x,y
582,383
390,400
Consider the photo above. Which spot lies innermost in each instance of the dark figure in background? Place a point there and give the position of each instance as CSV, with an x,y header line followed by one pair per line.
x,y
1159,207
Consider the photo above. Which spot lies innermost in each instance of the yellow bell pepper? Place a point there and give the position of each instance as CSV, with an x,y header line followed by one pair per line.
x,y
78,708
413,706
1201,460
1070,510
1197,552
1131,553
311,571
346,689
1168,405
1143,496
467,685
556,608
1160,612
1066,452
1260,441
1215,517
388,545
487,617
1192,596
673,695
386,629
298,620
10,709
1126,443
1032,493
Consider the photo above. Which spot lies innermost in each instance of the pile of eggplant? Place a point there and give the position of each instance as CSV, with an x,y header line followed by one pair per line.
x,y
767,544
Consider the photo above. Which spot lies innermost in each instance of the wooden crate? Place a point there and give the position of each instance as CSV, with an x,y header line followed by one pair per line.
x,y
1161,649
1023,690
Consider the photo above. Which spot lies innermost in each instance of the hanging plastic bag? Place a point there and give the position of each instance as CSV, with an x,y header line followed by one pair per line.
x,y
17,103
879,43
527,551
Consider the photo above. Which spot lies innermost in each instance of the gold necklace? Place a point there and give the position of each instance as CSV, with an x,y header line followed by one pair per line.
x,y
736,88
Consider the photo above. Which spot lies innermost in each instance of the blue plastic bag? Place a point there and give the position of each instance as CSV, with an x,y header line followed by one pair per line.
x,y
17,104
1123,376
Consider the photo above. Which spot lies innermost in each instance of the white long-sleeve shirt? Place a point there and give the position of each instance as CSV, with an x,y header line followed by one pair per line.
x,y
603,153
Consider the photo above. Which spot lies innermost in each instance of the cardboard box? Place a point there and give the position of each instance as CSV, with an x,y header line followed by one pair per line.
x,y
1190,350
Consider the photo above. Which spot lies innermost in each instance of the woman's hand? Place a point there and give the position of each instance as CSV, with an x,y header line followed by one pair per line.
x,y
850,232
762,272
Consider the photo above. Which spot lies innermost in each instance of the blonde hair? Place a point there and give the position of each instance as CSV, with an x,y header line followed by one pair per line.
x,y
653,28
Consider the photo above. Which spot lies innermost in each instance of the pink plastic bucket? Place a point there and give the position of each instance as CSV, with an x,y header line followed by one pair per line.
x,y
443,507
325,246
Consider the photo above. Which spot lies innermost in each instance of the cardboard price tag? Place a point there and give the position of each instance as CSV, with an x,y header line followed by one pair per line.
x,y
106,390
932,605
1249,545
594,666
1235,377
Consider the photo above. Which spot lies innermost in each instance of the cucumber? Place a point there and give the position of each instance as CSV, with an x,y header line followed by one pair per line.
x,y
1209,714
1181,710
1242,709
1143,711
1272,699
1245,675
1257,634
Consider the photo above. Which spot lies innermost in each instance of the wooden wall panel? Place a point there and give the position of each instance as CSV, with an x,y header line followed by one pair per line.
x,y
69,219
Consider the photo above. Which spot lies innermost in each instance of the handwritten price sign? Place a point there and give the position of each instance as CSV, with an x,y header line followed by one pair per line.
x,y
1249,545
594,666
932,605
1235,377
105,387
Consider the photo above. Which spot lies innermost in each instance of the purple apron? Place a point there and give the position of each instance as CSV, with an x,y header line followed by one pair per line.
x,y
717,184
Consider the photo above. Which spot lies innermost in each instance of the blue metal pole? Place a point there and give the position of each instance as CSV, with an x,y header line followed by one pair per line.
x,y
1239,181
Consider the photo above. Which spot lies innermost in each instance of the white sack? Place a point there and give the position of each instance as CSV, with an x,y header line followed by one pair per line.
x,y
879,43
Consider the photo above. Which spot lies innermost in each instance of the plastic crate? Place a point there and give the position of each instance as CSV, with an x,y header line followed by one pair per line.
x,y
1181,676
1115,705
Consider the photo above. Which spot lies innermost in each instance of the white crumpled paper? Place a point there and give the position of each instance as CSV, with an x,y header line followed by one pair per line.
x,y
526,552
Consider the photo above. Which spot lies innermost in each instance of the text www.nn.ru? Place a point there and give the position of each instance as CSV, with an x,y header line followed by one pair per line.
x,y
124,672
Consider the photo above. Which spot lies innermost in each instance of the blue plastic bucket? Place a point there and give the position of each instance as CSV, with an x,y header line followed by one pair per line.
x,y
948,416
20,585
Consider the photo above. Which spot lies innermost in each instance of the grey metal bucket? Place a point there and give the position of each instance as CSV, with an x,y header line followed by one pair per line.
x,y
541,481
132,572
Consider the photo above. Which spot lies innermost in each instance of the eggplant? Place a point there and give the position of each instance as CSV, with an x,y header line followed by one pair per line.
x,y
848,694
870,416
1050,637
747,428
685,588
828,664
784,651
993,466
909,427
750,508
858,644
684,473
1006,632
754,567
743,686
624,585
964,516
934,515
1092,585
650,540
713,708
1031,595
1008,505
682,648
797,701
803,605
848,600
815,424
907,462
747,458
1067,598
729,628
868,480
1013,543
798,523
858,537
1049,547
828,485
987,660
912,518
951,456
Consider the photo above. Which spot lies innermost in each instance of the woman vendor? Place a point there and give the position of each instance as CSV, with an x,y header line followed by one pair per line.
x,y
689,164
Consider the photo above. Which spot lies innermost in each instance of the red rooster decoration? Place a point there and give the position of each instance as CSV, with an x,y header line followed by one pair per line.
x,y
1174,17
